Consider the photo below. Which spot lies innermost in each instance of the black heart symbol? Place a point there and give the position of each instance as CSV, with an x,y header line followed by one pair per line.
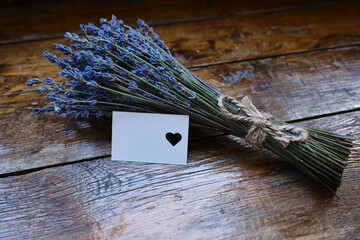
x,y
173,138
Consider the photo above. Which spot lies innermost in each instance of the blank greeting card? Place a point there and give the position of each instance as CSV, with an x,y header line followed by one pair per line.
x,y
150,137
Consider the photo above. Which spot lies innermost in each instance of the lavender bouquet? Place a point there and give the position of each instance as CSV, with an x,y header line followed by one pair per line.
x,y
119,68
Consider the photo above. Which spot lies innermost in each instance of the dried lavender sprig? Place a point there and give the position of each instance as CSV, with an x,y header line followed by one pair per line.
x,y
118,68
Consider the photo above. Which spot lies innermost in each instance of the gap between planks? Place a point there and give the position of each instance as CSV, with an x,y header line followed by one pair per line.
x,y
32,170
273,56
199,19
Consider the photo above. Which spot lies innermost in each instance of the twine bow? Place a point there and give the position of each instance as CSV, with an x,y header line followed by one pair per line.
x,y
262,124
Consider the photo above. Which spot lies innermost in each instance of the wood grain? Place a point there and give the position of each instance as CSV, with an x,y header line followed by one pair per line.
x,y
28,141
43,19
233,38
291,88
296,59
201,43
255,36
227,191
296,86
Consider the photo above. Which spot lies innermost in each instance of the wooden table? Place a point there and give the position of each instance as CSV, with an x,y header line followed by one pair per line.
x,y
299,60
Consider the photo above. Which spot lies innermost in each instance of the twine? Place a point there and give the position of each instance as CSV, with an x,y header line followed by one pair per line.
x,y
262,124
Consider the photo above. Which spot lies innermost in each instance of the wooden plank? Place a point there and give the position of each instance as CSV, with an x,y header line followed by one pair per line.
x,y
275,84
291,87
296,86
254,36
226,191
28,141
24,20
226,40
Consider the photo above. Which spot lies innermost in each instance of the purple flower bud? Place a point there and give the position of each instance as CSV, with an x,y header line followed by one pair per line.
x,y
93,83
67,36
43,89
64,49
99,114
93,102
161,69
133,85
48,80
38,110
51,57
33,81
49,108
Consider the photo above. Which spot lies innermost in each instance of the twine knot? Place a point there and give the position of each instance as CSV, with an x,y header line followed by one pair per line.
x,y
262,124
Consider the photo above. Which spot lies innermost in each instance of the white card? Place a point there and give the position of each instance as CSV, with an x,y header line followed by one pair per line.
x,y
150,137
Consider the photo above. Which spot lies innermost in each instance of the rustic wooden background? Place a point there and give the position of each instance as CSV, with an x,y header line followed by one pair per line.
x,y
299,60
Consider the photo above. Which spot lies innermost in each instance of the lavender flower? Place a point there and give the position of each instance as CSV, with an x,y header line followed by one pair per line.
x,y
118,68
